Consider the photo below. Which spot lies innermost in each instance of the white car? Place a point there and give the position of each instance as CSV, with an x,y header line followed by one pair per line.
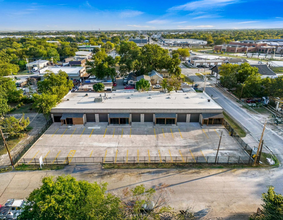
x,y
157,86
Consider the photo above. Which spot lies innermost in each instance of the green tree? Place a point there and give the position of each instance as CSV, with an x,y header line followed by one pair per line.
x,y
65,198
272,206
98,87
4,107
44,102
244,71
95,50
164,84
8,90
175,83
14,127
182,52
55,84
143,85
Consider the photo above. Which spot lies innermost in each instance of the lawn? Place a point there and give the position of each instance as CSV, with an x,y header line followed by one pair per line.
x,y
26,108
240,131
24,72
277,69
11,144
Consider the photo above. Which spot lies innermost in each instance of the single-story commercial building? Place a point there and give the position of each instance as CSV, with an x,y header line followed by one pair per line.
x,y
38,63
88,47
81,55
73,72
263,70
137,107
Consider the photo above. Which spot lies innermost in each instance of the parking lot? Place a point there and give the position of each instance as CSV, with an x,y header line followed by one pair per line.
x,y
188,141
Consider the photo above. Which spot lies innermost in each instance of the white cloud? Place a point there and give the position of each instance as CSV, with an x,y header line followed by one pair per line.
x,y
195,27
206,16
158,21
139,26
180,22
205,26
246,22
130,13
202,5
87,4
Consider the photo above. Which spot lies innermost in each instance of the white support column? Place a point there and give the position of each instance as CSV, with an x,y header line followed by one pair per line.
x,y
142,118
130,119
188,118
154,119
97,118
52,117
84,119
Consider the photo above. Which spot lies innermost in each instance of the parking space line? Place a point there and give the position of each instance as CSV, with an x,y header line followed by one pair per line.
x,y
203,155
113,132
122,133
116,156
193,156
70,156
33,157
82,132
148,156
172,133
138,156
170,155
46,155
205,133
105,133
163,133
91,153
130,132
154,132
159,156
181,155
105,156
73,132
127,157
91,132
217,133
56,157
64,132
55,132
180,133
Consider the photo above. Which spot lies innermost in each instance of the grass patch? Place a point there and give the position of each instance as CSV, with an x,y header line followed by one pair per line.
x,y
186,79
264,156
171,166
26,108
24,72
24,167
11,142
277,69
240,131
199,75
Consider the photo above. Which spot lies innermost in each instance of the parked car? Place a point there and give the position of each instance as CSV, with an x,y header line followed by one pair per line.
x,y
4,212
250,101
114,84
129,87
157,86
13,208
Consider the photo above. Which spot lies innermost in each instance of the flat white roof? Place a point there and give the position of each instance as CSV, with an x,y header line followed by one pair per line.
x,y
68,70
38,62
139,100
83,53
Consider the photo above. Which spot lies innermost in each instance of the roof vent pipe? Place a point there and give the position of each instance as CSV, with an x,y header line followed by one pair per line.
x,y
208,100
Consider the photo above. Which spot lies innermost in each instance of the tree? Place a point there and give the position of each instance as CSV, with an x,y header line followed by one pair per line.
x,y
143,85
8,90
98,87
66,198
4,107
182,52
173,66
244,71
272,206
175,83
44,102
95,50
14,127
58,84
164,84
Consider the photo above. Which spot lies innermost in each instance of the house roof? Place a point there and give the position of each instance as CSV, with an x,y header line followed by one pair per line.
x,y
263,69
212,115
153,73
143,77
132,76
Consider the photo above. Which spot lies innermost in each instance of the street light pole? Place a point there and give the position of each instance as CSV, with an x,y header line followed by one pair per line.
x,y
218,147
6,146
259,145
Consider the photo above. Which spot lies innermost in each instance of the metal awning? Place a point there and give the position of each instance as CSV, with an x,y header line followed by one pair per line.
x,y
165,115
119,115
72,115
212,115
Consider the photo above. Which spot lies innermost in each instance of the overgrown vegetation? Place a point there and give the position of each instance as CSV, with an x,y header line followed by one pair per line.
x,y
240,131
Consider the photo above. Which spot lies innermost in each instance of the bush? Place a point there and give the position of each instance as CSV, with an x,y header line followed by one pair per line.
x,y
99,87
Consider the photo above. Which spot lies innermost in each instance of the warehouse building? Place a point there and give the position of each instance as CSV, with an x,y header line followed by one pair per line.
x,y
137,107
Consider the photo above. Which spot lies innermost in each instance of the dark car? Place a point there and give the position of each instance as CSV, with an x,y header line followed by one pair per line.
x,y
250,101
114,84
129,87
4,212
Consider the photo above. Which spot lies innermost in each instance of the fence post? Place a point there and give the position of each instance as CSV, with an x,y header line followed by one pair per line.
x,y
228,159
197,160
34,161
239,160
56,160
24,161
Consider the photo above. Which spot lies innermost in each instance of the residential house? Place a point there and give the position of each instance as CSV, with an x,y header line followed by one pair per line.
x,y
155,77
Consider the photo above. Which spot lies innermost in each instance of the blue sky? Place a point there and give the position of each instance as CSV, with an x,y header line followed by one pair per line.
x,y
139,14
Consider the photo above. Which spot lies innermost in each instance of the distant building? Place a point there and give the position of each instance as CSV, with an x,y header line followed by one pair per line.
x,y
183,42
210,63
81,55
88,47
263,70
53,42
38,64
73,72
78,63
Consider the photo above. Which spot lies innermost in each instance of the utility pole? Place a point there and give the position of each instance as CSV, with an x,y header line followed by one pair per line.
x,y
204,83
6,146
259,145
218,147
242,91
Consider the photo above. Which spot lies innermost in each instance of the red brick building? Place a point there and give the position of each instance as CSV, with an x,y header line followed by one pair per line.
x,y
242,47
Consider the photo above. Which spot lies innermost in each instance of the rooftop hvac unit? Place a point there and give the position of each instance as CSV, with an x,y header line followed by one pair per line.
x,y
98,99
